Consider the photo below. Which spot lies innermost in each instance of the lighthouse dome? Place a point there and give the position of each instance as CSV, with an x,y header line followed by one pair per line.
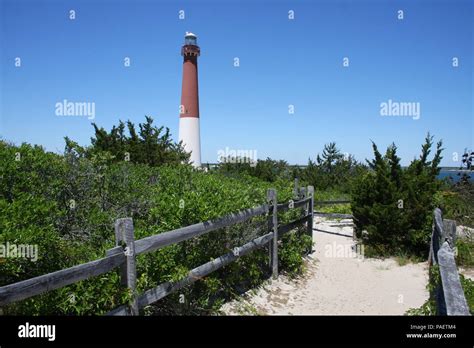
x,y
190,39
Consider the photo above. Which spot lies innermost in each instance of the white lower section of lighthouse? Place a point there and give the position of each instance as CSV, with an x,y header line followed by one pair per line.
x,y
189,134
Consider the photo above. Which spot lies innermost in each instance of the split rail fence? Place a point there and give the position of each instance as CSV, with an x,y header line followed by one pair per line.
x,y
449,296
123,255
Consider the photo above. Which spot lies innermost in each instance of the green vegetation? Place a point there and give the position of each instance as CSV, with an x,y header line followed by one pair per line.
x,y
465,253
67,205
468,287
332,170
456,200
395,206
150,145
429,307
267,170
331,174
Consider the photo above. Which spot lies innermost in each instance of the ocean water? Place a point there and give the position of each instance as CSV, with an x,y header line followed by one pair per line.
x,y
454,175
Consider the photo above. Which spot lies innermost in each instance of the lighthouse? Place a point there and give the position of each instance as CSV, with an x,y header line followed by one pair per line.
x,y
189,132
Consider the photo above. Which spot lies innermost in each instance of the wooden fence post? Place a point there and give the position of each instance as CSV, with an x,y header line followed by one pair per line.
x,y
310,211
453,300
270,228
124,232
272,199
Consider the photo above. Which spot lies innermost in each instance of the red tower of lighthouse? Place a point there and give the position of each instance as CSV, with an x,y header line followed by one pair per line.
x,y
189,131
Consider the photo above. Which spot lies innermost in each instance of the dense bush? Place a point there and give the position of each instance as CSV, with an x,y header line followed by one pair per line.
x,y
268,170
332,171
67,205
464,252
430,305
150,145
395,205
456,200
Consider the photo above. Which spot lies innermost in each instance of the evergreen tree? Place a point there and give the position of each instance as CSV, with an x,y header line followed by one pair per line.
x,y
151,145
332,170
395,206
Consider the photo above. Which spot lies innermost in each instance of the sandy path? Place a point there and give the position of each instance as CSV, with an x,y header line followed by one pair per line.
x,y
338,282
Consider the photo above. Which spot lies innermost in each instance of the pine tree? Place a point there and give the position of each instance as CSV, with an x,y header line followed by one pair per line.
x,y
151,145
394,205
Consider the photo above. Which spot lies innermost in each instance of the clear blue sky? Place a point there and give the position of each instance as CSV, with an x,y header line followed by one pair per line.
x,y
282,62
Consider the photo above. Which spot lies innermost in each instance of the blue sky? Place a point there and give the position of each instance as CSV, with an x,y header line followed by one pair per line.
x,y
282,62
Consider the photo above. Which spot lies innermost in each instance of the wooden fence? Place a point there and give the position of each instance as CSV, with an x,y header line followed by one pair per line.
x,y
124,254
449,295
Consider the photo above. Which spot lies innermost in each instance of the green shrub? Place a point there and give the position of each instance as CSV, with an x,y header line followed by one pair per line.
x,y
465,253
332,170
267,170
395,206
457,201
149,145
294,245
429,307
67,205
468,287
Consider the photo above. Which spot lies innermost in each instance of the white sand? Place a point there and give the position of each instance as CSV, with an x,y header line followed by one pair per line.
x,y
338,284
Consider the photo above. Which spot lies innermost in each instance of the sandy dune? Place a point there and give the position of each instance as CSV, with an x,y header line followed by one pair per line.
x,y
339,282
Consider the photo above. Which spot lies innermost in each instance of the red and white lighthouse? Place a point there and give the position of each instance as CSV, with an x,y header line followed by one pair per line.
x,y
189,109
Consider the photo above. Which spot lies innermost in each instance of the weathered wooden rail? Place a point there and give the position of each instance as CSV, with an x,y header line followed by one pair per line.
x,y
449,296
124,254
